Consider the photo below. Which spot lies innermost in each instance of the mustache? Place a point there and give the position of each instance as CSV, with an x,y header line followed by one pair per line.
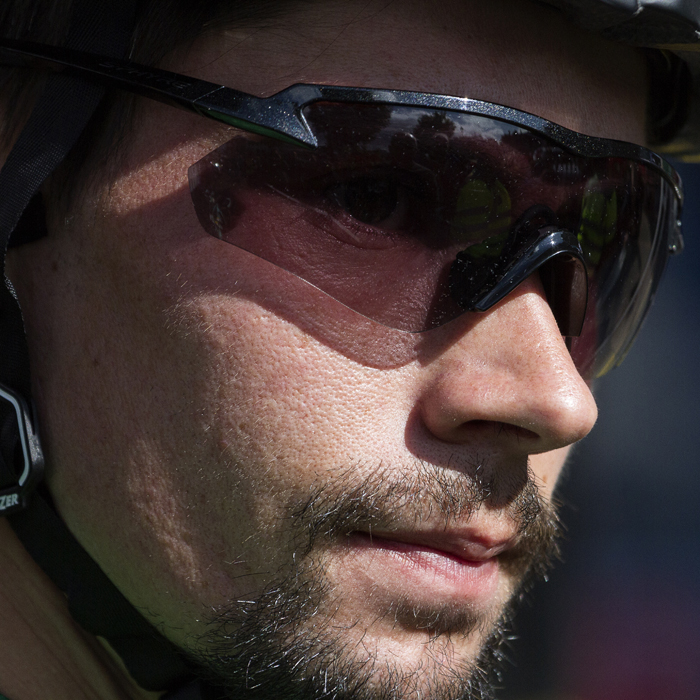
x,y
442,497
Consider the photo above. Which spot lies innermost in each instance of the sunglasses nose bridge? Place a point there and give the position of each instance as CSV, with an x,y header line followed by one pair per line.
x,y
477,284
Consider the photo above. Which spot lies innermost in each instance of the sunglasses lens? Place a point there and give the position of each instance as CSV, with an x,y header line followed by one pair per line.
x,y
377,214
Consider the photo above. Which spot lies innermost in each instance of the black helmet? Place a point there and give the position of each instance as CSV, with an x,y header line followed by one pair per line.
x,y
669,32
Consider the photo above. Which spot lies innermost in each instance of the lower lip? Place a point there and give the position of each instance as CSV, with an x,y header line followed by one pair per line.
x,y
427,572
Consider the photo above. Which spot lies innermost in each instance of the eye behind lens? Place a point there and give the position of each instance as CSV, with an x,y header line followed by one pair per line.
x,y
370,200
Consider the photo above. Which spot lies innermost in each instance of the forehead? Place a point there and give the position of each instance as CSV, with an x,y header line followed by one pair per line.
x,y
513,52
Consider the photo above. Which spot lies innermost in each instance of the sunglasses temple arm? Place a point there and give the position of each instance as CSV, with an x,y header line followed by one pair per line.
x,y
278,116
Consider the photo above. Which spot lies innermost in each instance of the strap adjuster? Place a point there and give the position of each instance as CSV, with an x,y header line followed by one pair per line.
x,y
20,451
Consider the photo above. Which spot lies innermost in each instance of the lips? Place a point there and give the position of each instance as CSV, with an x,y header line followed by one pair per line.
x,y
468,544
426,570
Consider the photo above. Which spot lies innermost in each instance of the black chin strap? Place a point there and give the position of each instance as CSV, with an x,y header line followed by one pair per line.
x,y
59,117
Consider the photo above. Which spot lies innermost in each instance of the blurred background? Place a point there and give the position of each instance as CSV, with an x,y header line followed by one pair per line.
x,y
620,618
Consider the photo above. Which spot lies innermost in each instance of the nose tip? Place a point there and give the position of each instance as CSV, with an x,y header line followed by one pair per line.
x,y
511,370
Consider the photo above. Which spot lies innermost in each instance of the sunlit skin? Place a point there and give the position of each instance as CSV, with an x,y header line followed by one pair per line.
x,y
191,394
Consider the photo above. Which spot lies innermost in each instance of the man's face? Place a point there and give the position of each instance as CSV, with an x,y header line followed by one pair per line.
x,y
275,481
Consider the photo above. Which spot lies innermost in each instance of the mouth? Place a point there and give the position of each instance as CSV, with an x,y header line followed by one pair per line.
x,y
467,545
458,568
423,554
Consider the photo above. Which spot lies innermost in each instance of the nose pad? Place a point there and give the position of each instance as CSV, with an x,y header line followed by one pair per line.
x,y
477,284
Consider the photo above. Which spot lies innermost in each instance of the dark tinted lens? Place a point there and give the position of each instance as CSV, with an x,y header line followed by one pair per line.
x,y
376,215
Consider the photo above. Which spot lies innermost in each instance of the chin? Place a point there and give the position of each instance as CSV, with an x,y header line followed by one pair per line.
x,y
325,657
314,636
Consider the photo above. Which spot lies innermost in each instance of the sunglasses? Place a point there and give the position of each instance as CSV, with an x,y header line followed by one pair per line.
x,y
412,209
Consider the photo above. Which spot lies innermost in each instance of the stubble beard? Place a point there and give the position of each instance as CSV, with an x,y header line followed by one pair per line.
x,y
288,643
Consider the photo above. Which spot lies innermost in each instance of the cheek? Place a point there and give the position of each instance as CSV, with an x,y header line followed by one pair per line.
x,y
195,416
291,401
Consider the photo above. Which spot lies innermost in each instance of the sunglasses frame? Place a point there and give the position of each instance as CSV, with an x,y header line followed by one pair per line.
x,y
281,116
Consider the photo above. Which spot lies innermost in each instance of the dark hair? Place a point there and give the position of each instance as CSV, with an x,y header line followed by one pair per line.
x,y
160,27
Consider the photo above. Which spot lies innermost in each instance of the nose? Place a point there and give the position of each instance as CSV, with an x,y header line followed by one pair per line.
x,y
509,369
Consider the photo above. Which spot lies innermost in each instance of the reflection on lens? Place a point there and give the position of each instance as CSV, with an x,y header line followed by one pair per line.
x,y
379,212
